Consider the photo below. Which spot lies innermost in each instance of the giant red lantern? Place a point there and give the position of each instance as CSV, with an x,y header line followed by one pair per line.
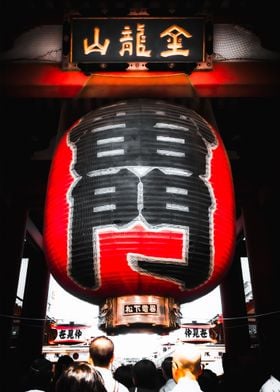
x,y
140,211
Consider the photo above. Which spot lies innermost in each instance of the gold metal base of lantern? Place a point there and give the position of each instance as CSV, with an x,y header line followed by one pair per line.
x,y
139,313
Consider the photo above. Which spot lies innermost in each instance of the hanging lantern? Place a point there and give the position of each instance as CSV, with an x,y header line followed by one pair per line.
x,y
140,212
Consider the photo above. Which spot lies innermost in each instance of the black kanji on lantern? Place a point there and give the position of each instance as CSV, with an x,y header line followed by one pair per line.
x,y
137,161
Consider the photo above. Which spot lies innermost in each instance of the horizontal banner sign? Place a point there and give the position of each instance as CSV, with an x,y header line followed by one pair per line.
x,y
126,40
199,333
68,334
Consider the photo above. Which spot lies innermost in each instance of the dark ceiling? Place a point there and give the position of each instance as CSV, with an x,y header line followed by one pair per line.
x,y
259,17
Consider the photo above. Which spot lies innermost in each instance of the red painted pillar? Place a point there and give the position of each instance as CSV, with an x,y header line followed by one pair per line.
x,y
33,321
13,221
236,331
260,210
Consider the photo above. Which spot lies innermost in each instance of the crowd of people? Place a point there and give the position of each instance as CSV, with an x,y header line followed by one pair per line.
x,y
181,372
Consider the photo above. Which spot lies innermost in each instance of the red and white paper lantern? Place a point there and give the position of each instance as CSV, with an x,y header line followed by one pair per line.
x,y
140,200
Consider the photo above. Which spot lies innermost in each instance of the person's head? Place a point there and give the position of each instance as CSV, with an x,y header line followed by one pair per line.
x,y
39,375
123,374
63,362
101,351
208,380
186,362
80,377
166,367
144,374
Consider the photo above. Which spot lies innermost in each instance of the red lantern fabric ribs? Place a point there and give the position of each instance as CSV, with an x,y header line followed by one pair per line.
x,y
140,201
